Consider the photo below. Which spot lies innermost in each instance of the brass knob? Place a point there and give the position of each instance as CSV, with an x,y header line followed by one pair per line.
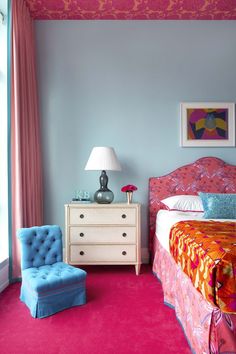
x,y
81,216
123,216
124,234
81,234
81,253
124,253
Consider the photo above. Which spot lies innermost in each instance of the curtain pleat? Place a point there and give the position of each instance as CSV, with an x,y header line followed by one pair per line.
x,y
26,166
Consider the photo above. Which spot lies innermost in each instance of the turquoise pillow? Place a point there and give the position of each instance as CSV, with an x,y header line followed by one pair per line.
x,y
218,206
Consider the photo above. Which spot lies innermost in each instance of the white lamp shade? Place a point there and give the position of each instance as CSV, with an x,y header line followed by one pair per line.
x,y
103,158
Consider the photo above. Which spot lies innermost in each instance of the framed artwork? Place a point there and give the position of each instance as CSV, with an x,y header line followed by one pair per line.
x,y
207,124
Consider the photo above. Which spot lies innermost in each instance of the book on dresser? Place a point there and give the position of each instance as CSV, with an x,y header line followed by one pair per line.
x,y
103,234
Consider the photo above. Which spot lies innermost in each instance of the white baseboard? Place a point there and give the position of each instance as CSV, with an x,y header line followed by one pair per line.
x,y
145,255
4,274
4,268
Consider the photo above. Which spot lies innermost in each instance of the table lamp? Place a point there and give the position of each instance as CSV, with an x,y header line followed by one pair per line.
x,y
103,158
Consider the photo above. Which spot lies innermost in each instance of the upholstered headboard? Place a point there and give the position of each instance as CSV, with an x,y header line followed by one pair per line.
x,y
208,174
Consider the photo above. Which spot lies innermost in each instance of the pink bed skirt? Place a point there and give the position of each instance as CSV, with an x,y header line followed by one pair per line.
x,y
207,329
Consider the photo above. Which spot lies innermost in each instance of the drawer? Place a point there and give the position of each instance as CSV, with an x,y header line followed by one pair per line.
x,y
102,234
102,253
106,216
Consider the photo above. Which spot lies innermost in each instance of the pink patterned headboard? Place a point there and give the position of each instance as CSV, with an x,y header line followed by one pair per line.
x,y
208,174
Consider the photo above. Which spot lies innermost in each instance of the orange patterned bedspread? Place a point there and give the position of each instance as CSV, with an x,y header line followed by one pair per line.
x,y
206,251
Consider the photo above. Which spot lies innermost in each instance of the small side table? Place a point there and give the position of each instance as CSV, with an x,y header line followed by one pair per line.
x,y
103,234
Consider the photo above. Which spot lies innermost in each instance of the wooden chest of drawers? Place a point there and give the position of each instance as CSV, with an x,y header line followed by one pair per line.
x,y
103,234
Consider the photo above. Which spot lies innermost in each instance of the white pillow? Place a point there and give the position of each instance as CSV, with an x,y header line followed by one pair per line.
x,y
184,203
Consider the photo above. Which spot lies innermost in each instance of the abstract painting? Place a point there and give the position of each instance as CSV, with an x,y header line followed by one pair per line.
x,y
207,124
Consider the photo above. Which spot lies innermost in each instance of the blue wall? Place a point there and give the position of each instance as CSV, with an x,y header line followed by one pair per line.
x,y
119,83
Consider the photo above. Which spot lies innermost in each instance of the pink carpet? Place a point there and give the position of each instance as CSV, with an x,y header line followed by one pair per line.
x,y
124,314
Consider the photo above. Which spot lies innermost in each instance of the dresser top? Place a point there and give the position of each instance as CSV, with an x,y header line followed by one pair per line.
x,y
112,205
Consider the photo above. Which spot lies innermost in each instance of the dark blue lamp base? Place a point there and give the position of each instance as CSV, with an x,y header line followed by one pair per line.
x,y
103,195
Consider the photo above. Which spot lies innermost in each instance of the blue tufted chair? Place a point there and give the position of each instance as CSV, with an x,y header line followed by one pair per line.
x,y
48,284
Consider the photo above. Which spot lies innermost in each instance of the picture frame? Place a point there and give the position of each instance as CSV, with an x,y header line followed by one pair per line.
x,y
207,124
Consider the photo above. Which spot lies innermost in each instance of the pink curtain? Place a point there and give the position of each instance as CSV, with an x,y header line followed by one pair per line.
x,y
26,172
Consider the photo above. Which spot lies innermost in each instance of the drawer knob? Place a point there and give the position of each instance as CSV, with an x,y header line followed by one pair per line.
x,y
81,216
81,234
124,253
123,216
81,253
124,234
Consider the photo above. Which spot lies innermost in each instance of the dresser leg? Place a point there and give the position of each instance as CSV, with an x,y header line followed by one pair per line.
x,y
137,268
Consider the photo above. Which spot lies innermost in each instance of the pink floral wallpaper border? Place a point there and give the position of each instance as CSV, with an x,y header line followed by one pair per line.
x,y
133,9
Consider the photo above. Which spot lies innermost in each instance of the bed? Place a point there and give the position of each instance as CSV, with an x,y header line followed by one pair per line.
x,y
208,328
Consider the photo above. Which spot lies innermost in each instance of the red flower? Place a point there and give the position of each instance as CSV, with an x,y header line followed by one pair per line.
x,y
129,188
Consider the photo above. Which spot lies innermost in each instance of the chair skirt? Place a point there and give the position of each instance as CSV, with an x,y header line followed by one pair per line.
x,y
45,298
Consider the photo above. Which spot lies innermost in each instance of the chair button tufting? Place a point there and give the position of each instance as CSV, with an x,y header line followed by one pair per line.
x,y
81,234
81,216
124,234
81,253
123,216
124,253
